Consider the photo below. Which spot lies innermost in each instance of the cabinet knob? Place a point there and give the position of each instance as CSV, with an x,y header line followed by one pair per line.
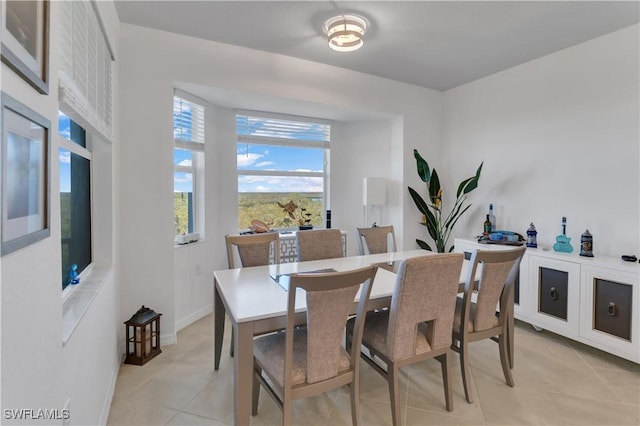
x,y
553,293
611,309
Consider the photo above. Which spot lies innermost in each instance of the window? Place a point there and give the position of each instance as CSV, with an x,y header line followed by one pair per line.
x,y
281,159
75,197
188,160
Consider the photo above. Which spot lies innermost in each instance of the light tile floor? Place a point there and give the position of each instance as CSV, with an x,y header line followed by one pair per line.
x,y
558,382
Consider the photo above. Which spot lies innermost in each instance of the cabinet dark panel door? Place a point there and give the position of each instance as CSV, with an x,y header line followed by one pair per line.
x,y
552,292
612,308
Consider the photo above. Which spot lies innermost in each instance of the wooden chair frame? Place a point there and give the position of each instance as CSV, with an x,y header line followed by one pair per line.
x,y
503,332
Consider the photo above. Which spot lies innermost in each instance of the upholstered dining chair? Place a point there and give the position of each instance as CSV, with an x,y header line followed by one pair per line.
x,y
490,314
417,325
310,360
378,239
316,244
253,250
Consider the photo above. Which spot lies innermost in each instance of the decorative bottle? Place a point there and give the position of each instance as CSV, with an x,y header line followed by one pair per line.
x,y
586,244
492,218
563,243
532,236
487,226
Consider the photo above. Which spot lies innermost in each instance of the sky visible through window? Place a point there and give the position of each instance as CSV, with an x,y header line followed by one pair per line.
x,y
64,156
260,157
277,158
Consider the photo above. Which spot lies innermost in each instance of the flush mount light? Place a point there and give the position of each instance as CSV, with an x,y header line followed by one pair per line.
x,y
345,32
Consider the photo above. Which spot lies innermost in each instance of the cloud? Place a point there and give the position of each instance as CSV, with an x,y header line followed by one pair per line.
x,y
245,160
264,164
186,177
65,157
185,162
250,183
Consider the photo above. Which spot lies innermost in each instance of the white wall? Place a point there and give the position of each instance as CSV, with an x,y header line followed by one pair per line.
x,y
152,63
37,371
559,137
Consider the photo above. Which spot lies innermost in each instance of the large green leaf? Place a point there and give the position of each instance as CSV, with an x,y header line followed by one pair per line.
x,y
434,186
423,245
453,216
422,206
460,214
473,183
423,167
432,225
462,185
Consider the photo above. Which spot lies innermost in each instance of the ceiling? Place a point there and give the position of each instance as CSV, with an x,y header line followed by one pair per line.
x,y
433,44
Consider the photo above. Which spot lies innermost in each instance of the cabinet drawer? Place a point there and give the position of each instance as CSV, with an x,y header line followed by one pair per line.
x,y
553,291
612,308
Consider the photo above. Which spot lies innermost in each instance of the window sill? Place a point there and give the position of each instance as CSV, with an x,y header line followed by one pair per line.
x,y
179,246
77,302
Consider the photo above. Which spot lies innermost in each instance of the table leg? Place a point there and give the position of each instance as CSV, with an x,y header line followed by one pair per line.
x,y
218,326
242,372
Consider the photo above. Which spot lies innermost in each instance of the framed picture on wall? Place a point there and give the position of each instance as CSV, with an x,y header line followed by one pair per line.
x,y
25,40
25,157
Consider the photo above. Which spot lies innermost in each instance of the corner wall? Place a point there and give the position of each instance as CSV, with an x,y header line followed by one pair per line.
x,y
152,63
559,136
37,370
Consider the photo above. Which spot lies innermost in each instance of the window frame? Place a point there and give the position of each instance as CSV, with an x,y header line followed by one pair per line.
x,y
197,150
86,153
289,143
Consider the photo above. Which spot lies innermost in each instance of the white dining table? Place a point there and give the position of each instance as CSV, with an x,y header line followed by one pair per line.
x,y
256,304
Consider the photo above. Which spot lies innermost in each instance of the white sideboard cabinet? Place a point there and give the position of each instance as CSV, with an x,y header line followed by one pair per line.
x,y
594,300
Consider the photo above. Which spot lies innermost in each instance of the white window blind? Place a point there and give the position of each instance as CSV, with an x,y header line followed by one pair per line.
x,y
275,130
188,121
85,66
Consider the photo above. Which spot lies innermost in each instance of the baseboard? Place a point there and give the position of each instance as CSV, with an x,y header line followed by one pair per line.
x,y
106,408
200,313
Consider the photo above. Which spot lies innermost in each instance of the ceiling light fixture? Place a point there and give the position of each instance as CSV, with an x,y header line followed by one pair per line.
x,y
345,32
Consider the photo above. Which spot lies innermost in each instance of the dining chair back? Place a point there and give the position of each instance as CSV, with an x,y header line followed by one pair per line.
x,y
316,244
417,325
491,275
378,239
309,360
253,249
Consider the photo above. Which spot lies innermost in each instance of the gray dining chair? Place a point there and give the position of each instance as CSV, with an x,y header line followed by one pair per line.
x,y
417,325
377,239
253,250
491,313
316,244
309,360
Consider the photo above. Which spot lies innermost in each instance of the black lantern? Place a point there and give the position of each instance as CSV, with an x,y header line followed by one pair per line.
x,y
143,336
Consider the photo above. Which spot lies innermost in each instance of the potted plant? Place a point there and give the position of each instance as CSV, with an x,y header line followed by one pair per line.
x,y
438,224
297,214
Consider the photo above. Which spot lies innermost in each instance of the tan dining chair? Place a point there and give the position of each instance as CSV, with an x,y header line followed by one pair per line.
x,y
417,325
310,360
316,244
253,250
491,313
377,239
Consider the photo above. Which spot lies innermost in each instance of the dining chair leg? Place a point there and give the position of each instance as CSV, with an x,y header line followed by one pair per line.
x,y
464,367
354,390
286,410
445,362
394,393
504,359
255,391
510,338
